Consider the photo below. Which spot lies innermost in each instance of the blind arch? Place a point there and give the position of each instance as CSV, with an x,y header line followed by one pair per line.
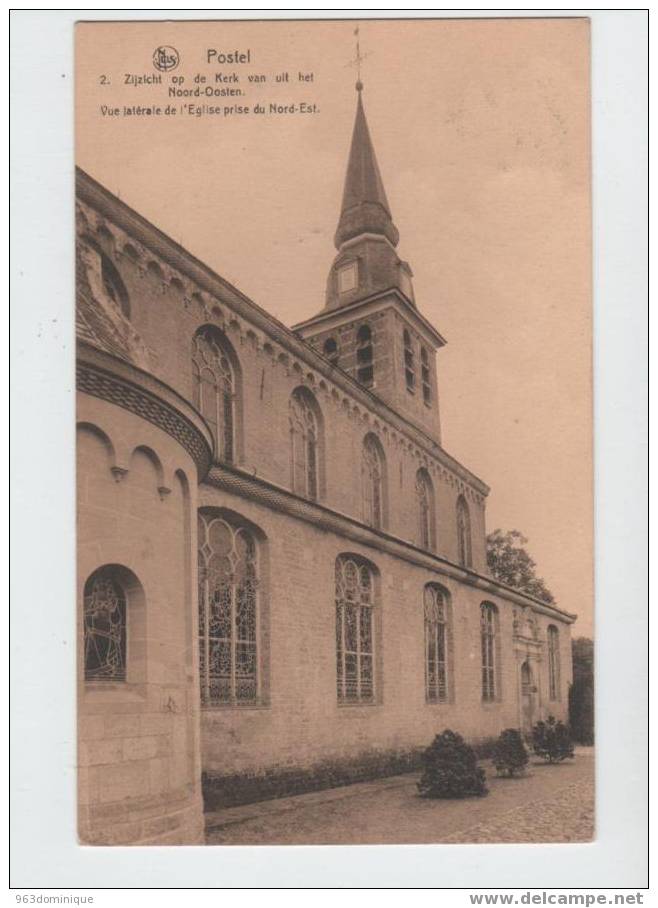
x,y
464,549
216,388
373,473
306,444
426,512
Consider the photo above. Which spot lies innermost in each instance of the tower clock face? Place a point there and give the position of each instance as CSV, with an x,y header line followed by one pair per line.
x,y
348,278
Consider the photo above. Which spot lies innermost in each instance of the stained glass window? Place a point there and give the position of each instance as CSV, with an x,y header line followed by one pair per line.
x,y
214,388
488,641
228,613
373,477
464,533
304,445
553,663
425,503
436,644
104,627
354,630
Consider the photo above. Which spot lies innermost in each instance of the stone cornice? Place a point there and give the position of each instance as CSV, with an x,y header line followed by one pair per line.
x,y
103,375
329,316
108,205
276,498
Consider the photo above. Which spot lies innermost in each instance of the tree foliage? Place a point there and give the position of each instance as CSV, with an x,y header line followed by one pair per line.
x,y
510,563
581,693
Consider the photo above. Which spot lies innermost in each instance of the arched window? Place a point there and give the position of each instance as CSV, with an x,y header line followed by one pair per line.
x,y
435,604
425,500
304,440
373,482
488,620
425,375
553,663
364,353
330,350
214,388
464,533
104,612
409,365
355,600
228,613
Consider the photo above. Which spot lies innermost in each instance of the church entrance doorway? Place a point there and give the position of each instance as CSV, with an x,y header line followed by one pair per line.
x,y
527,699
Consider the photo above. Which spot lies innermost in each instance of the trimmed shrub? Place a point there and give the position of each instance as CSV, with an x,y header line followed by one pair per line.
x,y
552,740
450,769
229,790
510,755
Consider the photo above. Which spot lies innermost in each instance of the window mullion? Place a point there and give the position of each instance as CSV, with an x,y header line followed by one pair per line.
x,y
359,693
233,642
342,651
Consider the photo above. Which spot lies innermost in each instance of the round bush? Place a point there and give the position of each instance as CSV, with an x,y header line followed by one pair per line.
x,y
510,755
450,769
552,740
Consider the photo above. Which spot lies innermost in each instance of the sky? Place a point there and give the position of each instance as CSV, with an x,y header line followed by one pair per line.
x,y
481,130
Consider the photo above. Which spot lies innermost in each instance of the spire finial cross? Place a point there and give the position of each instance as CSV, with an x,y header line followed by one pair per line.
x,y
358,60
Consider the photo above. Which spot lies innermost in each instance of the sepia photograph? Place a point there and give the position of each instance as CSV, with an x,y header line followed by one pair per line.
x,y
334,432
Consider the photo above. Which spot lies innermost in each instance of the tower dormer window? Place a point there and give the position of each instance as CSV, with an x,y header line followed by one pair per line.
x,y
348,277
425,375
364,354
409,365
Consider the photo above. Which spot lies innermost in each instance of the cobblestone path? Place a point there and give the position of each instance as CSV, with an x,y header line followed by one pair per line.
x,y
548,804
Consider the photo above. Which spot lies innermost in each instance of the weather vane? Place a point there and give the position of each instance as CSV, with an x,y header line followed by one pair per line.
x,y
358,60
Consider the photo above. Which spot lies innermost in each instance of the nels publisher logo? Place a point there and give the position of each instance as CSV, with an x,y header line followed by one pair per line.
x,y
165,58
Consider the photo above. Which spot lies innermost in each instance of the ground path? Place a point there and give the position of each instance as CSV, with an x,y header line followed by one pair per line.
x,y
549,804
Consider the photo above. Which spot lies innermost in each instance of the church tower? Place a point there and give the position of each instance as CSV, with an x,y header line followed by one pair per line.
x,y
370,325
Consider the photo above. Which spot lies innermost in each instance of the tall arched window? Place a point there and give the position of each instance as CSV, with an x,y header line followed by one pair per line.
x,y
425,375
464,533
104,613
553,663
435,604
364,354
425,502
488,620
304,440
330,350
214,388
228,613
409,365
373,482
355,600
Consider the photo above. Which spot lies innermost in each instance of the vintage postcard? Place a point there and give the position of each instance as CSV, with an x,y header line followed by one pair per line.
x,y
334,432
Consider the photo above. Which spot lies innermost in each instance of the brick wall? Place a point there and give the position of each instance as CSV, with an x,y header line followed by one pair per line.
x,y
303,724
139,767
167,314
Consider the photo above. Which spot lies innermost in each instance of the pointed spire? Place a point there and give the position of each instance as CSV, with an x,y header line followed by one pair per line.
x,y
365,207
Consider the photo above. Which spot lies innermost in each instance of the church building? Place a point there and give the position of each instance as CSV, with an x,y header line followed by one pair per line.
x,y
282,573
